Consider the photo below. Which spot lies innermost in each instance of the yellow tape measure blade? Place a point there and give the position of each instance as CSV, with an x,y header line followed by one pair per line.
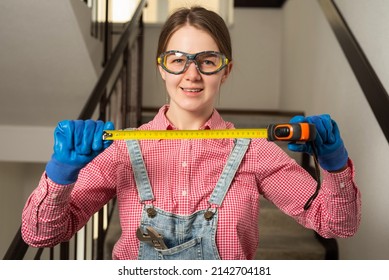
x,y
184,134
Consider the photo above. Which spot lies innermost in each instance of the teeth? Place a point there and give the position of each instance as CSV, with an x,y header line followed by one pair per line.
x,y
192,90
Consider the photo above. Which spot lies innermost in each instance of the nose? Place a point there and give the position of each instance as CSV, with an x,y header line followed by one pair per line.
x,y
192,72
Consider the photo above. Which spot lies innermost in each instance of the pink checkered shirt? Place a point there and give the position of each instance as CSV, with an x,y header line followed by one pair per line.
x,y
183,174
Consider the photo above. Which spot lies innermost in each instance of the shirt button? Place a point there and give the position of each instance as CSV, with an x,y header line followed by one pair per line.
x,y
341,185
184,193
184,164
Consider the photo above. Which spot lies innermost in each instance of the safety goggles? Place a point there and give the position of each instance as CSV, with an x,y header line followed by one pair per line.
x,y
207,62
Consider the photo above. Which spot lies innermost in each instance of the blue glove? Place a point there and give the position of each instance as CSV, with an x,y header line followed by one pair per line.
x,y
331,152
76,143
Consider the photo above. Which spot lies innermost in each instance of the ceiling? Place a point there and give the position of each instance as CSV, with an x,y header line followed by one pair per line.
x,y
259,3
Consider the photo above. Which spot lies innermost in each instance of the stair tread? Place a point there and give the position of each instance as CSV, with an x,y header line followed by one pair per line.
x,y
271,219
281,237
290,242
281,254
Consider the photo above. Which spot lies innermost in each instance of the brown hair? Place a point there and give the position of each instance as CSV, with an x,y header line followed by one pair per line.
x,y
200,18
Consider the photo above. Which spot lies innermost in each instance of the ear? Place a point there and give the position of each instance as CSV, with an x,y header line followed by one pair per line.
x,y
227,72
162,72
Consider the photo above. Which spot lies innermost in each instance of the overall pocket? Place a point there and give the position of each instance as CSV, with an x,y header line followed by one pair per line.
x,y
190,250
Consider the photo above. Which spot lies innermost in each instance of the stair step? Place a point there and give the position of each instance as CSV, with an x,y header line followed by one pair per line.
x,y
274,221
271,220
289,248
282,238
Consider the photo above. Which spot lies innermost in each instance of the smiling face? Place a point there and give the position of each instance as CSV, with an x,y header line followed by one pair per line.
x,y
191,92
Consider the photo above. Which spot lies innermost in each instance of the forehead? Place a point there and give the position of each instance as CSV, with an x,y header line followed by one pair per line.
x,y
191,40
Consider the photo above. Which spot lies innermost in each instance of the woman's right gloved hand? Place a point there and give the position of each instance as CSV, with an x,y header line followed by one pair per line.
x,y
76,143
331,152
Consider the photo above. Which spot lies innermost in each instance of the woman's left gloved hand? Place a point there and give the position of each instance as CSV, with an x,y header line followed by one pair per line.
x,y
331,152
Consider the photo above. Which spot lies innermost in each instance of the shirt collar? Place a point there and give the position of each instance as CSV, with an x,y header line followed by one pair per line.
x,y
160,122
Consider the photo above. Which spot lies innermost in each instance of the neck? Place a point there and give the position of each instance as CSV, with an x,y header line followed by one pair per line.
x,y
185,120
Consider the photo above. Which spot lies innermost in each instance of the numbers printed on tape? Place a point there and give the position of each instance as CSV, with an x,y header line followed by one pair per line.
x,y
184,134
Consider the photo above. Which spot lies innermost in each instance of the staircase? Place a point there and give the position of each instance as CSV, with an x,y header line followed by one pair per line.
x,y
281,238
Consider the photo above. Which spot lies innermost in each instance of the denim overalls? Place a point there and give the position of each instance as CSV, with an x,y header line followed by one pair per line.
x,y
189,237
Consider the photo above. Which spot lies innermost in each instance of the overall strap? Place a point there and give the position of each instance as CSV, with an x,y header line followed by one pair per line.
x,y
229,171
139,169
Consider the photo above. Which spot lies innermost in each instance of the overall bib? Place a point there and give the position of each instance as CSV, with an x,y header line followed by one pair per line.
x,y
190,237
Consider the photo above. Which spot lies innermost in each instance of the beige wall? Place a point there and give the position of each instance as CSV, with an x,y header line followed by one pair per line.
x,y
317,78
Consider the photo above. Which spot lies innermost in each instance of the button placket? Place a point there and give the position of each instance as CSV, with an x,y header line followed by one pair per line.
x,y
184,169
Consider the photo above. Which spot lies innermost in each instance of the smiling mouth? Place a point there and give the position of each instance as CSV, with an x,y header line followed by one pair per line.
x,y
194,90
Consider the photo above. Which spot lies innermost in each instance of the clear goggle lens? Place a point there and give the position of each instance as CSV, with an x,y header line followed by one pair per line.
x,y
207,62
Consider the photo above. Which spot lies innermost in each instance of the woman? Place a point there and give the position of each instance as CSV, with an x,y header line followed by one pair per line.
x,y
198,199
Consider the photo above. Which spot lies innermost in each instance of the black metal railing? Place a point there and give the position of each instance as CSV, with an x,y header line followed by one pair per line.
x,y
115,97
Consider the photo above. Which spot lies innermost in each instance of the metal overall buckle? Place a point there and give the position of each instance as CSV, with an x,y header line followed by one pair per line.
x,y
210,212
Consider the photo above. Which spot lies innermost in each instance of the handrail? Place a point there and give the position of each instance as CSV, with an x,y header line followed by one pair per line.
x,y
18,248
371,85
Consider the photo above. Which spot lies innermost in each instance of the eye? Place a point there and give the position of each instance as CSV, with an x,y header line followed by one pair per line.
x,y
177,61
208,62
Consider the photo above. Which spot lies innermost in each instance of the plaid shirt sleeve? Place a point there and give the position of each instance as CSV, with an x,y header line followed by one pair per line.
x,y
54,213
335,212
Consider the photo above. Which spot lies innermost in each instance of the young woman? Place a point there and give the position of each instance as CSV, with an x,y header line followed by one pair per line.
x,y
198,198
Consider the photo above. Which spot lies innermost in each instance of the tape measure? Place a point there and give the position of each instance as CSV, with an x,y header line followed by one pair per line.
x,y
274,132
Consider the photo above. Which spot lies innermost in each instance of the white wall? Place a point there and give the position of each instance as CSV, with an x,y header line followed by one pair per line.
x,y
48,67
26,143
46,70
17,182
316,78
371,31
82,15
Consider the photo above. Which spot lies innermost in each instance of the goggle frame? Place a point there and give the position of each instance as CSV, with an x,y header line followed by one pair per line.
x,y
192,57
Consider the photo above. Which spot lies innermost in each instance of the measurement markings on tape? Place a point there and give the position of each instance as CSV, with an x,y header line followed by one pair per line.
x,y
184,134
274,132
